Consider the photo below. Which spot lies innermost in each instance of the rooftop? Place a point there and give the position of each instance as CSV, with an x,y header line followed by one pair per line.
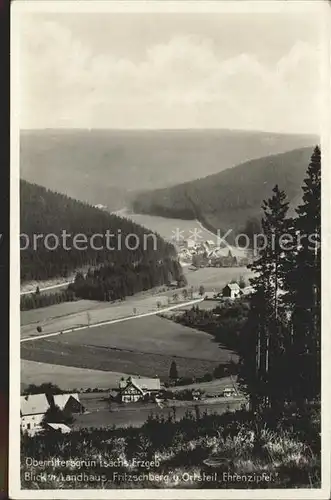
x,y
233,286
34,404
61,400
60,427
149,384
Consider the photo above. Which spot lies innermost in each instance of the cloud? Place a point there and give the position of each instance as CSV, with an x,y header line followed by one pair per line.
x,y
181,83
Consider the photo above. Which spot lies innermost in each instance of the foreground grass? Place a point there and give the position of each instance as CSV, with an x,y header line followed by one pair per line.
x,y
199,451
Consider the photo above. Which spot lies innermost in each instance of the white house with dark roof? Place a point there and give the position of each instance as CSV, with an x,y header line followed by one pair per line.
x,y
35,406
135,388
33,409
231,291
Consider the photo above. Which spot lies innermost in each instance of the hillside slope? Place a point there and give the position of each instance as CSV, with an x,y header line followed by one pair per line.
x,y
121,262
229,199
105,166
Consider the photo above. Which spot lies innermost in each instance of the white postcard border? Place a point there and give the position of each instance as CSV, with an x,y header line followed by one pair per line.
x,y
185,6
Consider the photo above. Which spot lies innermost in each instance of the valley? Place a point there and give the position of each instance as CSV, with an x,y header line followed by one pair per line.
x,y
109,167
144,346
93,343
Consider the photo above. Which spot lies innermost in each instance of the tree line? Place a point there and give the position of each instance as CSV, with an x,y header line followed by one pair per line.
x,y
281,349
110,282
37,299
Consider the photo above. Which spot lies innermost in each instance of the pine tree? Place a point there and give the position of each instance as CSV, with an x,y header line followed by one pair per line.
x,y
173,373
266,330
303,285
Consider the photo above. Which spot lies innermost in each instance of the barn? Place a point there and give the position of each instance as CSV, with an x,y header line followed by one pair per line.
x,y
231,291
69,403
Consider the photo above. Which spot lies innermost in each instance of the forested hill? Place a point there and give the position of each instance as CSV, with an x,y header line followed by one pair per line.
x,y
106,166
44,212
232,198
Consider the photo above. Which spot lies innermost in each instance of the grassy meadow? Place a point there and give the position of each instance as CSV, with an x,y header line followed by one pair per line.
x,y
67,377
144,346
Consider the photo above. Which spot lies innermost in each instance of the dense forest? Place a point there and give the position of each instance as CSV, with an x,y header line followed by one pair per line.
x,y
230,199
130,260
111,282
37,299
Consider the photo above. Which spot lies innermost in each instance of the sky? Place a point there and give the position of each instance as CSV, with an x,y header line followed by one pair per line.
x,y
171,70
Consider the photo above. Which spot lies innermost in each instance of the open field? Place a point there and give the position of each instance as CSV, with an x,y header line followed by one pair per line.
x,y
205,305
70,315
67,377
75,314
212,388
215,277
168,227
143,346
136,416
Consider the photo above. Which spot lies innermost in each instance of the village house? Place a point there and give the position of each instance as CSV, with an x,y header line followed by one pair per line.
x,y
33,409
231,291
196,395
210,244
190,244
133,389
229,392
68,403
35,406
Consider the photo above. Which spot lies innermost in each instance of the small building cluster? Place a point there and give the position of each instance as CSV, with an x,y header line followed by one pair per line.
x,y
208,254
230,291
35,406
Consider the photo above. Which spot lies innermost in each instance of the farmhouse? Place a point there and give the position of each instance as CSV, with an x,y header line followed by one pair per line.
x,y
33,409
134,389
68,403
196,395
35,406
231,291
229,391
210,244
100,206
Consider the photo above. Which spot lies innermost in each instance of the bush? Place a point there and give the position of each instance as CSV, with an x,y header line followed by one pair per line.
x,y
207,378
45,388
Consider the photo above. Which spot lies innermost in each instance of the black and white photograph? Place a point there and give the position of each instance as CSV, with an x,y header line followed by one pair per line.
x,y
167,329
